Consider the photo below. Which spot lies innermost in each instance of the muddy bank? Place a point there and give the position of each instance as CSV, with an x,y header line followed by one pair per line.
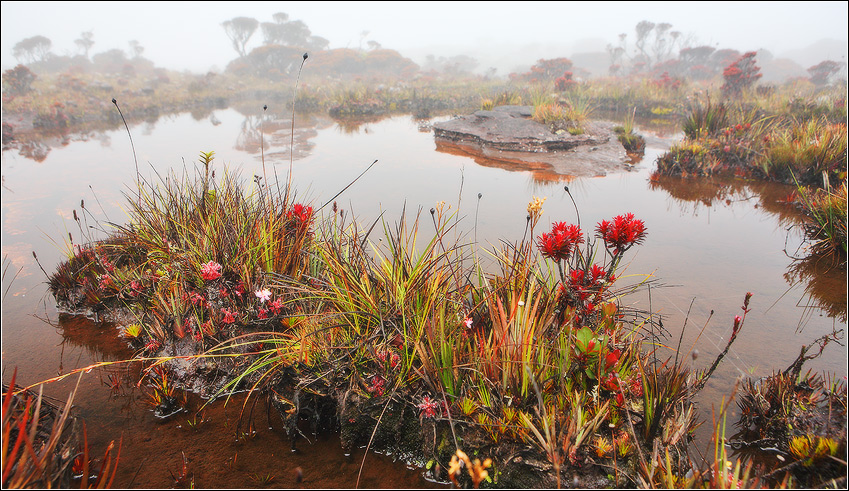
x,y
508,134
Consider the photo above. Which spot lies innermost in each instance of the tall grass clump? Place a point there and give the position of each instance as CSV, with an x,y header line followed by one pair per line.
x,y
826,211
805,151
195,259
705,119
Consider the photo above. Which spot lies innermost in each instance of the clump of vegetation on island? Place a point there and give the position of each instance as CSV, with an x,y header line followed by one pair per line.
x,y
522,374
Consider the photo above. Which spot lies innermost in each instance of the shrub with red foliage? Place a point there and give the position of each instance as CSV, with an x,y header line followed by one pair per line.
x,y
565,82
18,80
667,83
740,75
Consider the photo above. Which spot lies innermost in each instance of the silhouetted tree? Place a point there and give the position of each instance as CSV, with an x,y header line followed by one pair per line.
x,y
822,72
291,33
240,30
644,28
136,48
32,49
85,42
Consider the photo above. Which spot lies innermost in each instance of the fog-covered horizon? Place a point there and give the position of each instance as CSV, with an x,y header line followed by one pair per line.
x,y
503,35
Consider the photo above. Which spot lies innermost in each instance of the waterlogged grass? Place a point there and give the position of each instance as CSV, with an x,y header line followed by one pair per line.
x,y
737,142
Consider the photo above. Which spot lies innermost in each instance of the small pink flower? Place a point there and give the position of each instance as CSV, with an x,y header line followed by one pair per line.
x,y
262,295
468,322
737,321
211,271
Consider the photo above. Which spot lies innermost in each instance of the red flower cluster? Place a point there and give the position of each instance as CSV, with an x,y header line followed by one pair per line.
x,y
276,306
301,213
197,299
135,288
210,271
378,385
562,240
623,232
229,316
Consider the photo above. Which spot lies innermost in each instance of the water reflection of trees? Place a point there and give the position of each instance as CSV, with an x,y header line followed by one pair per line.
x,y
774,198
823,276
36,145
271,135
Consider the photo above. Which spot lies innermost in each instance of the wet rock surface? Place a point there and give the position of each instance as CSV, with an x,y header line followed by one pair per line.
x,y
507,133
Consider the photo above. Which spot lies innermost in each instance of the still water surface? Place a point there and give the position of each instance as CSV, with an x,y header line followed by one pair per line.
x,y
707,245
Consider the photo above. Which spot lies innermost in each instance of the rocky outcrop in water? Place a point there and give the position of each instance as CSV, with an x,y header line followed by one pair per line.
x,y
507,133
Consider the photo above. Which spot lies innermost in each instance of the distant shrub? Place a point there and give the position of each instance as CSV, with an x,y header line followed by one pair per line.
x,y
18,80
740,75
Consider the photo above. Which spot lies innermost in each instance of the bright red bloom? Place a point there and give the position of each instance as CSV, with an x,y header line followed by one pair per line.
x,y
105,281
562,240
623,232
301,213
210,271
197,299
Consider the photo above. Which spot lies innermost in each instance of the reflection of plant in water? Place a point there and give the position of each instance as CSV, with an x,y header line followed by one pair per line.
x,y
771,197
250,137
824,280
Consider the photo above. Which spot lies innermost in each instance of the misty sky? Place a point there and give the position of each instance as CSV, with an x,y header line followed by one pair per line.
x,y
189,36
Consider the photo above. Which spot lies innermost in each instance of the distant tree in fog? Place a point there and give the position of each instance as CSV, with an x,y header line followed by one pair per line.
x,y
822,72
240,30
136,48
33,49
291,33
85,42
644,28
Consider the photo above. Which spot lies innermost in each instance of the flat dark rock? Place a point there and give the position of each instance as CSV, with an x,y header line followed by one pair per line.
x,y
508,133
